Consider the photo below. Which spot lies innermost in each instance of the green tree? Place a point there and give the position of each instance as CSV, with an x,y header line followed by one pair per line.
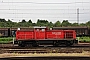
x,y
50,24
42,22
23,21
82,24
57,24
34,24
66,23
30,21
75,24
9,23
88,23
2,20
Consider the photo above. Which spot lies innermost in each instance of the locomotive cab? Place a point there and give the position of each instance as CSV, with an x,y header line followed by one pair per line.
x,y
39,32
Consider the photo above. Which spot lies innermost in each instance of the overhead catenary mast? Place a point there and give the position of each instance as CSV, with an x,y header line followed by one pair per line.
x,y
78,15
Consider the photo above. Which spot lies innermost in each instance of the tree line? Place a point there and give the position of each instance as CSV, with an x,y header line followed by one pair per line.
x,y
24,23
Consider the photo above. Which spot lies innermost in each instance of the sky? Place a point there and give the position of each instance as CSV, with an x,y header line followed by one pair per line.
x,y
51,10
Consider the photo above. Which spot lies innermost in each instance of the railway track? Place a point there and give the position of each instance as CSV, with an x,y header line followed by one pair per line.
x,y
10,48
45,50
47,58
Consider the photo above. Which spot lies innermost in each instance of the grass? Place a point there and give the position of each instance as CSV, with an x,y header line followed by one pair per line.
x,y
6,39
83,39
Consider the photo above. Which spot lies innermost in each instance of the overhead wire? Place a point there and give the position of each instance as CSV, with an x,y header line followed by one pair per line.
x,y
15,12
45,3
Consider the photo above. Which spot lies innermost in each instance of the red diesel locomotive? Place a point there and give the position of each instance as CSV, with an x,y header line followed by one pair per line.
x,y
43,36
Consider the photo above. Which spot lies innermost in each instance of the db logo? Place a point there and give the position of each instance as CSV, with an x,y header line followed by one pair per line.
x,y
56,33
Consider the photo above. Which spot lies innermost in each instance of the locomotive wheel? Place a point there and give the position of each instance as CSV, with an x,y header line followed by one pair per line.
x,y
21,43
34,44
55,44
69,43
